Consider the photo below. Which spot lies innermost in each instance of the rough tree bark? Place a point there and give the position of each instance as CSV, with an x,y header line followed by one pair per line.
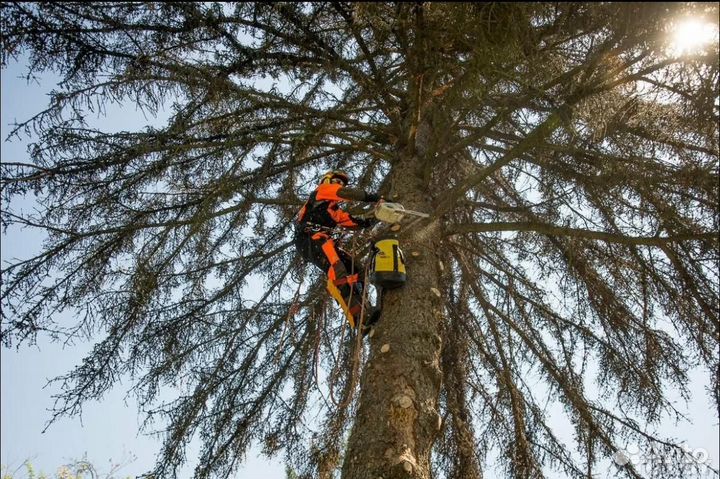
x,y
398,420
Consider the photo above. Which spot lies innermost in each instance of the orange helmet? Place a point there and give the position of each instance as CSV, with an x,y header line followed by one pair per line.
x,y
335,174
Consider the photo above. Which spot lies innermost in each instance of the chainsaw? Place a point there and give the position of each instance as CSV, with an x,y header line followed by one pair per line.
x,y
394,212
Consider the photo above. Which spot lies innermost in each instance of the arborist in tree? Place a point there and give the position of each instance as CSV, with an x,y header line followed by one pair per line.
x,y
317,220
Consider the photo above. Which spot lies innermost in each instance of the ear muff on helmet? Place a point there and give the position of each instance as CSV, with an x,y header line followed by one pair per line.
x,y
331,175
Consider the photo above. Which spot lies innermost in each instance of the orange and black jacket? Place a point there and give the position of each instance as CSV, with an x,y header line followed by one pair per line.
x,y
322,209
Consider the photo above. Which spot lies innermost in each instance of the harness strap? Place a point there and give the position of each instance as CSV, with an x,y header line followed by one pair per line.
x,y
319,235
328,248
349,280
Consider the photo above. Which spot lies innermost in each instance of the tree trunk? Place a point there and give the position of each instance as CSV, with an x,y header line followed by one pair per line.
x,y
397,421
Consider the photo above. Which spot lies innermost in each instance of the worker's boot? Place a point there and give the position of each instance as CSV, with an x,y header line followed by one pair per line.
x,y
372,316
370,313
348,290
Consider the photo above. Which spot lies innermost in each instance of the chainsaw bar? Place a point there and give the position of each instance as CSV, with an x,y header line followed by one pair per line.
x,y
394,212
416,213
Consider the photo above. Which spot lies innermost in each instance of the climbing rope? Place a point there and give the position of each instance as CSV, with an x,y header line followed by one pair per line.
x,y
357,347
356,356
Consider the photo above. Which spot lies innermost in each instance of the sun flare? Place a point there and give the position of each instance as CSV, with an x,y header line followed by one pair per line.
x,y
692,36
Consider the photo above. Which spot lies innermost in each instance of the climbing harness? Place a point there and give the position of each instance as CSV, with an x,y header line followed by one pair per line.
x,y
385,268
345,287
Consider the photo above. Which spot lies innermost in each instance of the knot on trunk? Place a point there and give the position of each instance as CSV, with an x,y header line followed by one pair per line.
x,y
402,400
404,459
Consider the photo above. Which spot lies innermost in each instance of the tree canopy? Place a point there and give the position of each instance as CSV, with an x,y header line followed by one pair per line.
x,y
567,156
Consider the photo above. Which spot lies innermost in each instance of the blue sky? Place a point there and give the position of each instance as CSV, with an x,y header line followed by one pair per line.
x,y
108,430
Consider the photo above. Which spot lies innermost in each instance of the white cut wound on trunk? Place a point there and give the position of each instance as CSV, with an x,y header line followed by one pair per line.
x,y
402,420
402,400
407,459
